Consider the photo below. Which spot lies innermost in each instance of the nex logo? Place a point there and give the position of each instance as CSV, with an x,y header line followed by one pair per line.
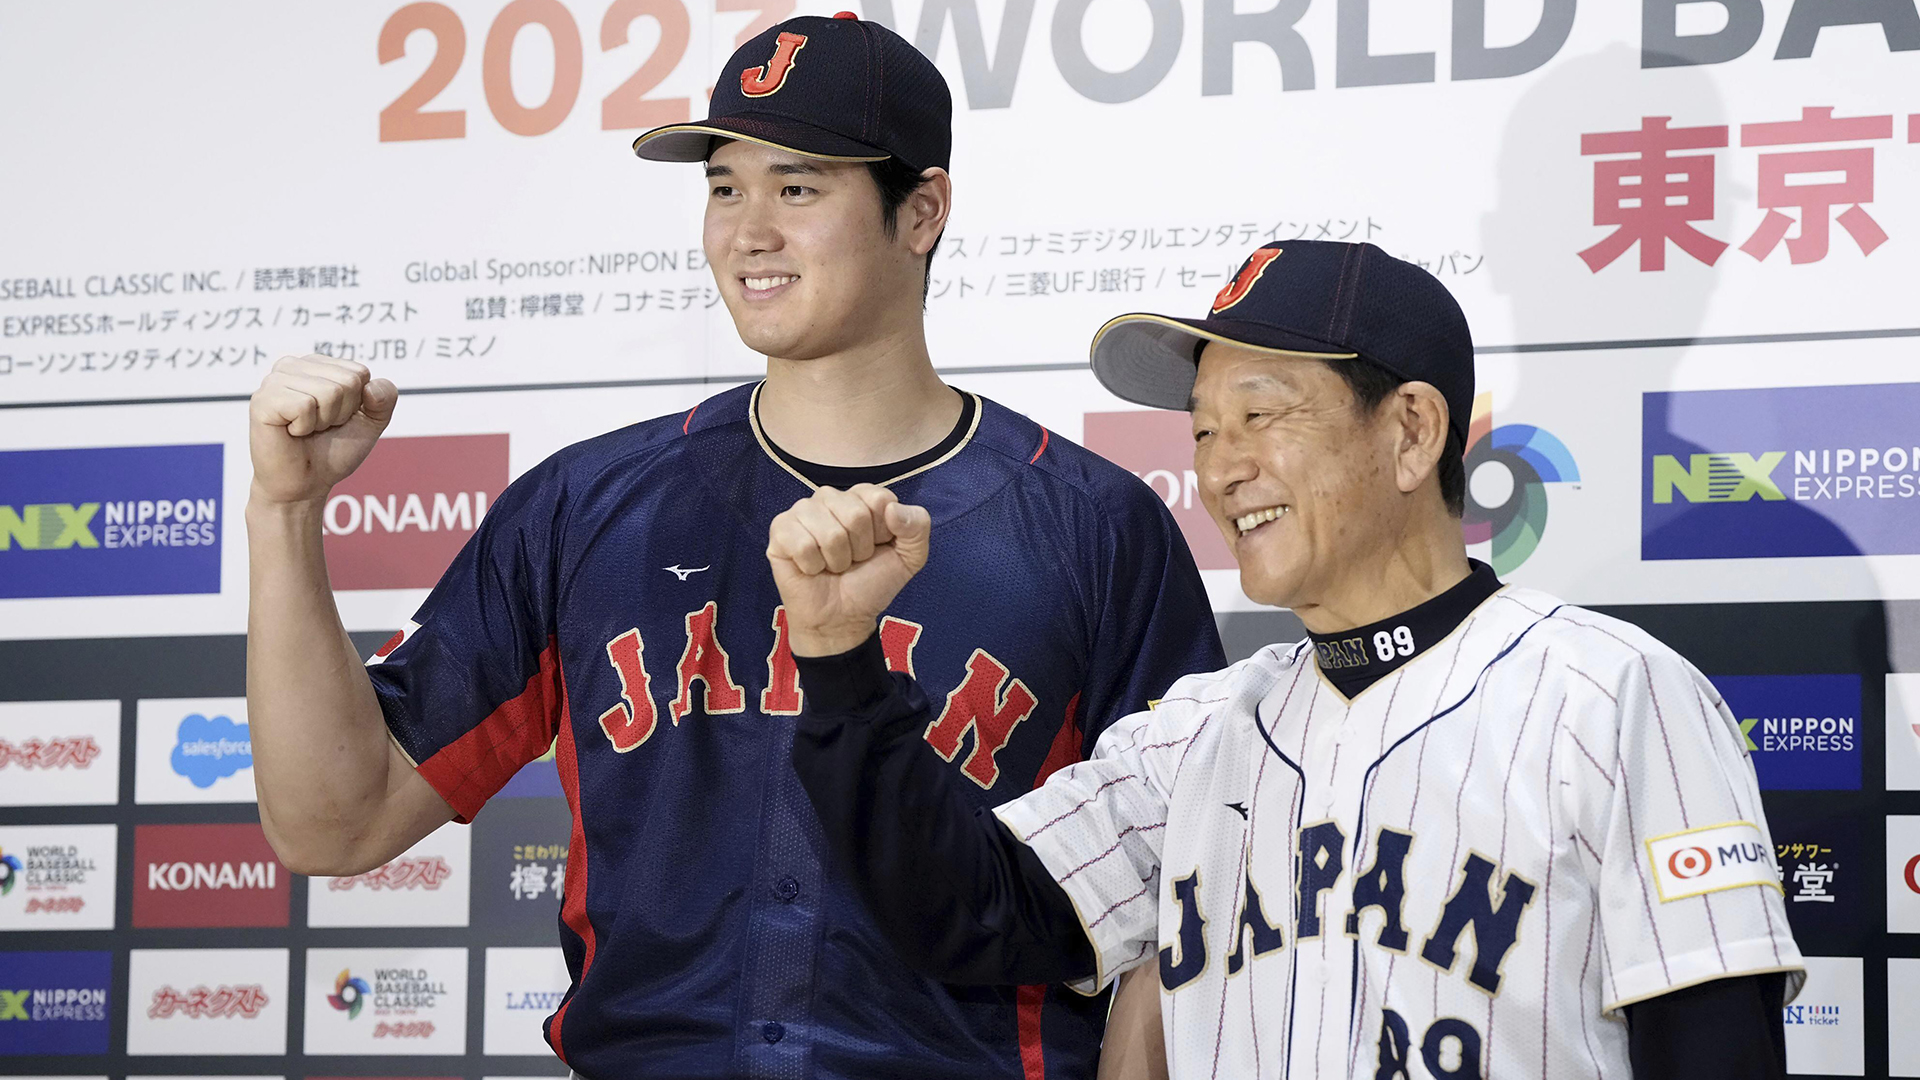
x,y
13,1004
1746,732
1717,477
48,526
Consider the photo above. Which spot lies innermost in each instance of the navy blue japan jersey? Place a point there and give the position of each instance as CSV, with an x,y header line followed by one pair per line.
x,y
617,599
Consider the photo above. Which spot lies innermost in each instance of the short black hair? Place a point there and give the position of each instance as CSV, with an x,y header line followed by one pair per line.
x,y
1371,384
896,181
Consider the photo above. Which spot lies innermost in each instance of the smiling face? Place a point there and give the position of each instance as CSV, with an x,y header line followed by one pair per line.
x,y
1305,488
799,252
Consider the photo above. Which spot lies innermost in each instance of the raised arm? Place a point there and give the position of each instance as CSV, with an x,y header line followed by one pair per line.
x,y
337,796
960,897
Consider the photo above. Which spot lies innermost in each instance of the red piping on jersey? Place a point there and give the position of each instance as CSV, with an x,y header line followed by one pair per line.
x,y
1043,447
1033,1059
1066,744
1030,1001
689,423
467,771
573,908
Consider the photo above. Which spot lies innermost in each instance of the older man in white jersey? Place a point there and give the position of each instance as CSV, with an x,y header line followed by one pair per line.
x,y
1464,829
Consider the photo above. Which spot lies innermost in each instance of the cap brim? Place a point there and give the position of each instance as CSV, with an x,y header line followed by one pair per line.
x,y
693,142
1151,359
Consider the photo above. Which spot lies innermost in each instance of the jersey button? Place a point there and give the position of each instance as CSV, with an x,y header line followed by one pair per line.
x,y
787,890
772,1031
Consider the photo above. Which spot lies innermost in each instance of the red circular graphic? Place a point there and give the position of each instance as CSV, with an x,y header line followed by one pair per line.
x,y
1689,862
1912,865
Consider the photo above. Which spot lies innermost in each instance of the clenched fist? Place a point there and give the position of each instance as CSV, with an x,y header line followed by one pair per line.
x,y
313,421
839,558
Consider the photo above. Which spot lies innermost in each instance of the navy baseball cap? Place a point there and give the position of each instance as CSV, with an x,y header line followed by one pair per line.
x,y
843,89
1309,298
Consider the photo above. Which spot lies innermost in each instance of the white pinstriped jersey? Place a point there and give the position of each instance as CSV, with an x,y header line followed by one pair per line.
x,y
1467,870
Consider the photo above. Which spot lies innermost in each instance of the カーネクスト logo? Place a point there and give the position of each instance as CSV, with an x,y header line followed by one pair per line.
x,y
115,521
1510,514
1794,471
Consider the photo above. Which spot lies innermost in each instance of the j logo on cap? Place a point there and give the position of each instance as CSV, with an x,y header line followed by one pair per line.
x,y
1242,283
771,76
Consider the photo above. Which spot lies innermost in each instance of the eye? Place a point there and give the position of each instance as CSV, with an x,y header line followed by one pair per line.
x,y
795,191
722,191
1202,435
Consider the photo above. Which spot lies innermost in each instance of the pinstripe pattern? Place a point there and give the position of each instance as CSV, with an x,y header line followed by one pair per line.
x,y
1545,742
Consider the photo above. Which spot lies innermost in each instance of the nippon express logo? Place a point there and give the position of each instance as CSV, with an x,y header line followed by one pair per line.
x,y
1801,471
1802,732
1814,1016
210,749
54,1002
62,1004
113,521
1508,470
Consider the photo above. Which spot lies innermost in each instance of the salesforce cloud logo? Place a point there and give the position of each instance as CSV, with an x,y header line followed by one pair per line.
x,y
211,749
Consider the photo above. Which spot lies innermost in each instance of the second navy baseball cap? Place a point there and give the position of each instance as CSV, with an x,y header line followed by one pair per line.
x,y
843,89
1311,298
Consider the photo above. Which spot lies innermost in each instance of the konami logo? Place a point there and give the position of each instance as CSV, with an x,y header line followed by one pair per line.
x,y
402,516
207,875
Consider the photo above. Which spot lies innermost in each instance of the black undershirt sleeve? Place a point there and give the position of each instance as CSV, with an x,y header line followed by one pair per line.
x,y
958,895
1726,1029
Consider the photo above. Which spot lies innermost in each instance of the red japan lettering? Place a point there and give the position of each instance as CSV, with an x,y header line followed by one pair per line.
x,y
782,695
897,639
707,662
631,722
772,75
980,704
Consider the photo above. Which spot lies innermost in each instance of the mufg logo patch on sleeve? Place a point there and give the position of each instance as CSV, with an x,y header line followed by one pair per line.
x,y
1710,859
110,521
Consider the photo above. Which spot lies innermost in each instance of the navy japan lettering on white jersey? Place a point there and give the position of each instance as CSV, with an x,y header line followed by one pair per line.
x,y
617,599
1468,869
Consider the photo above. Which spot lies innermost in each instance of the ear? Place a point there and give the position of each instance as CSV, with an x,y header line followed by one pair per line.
x,y
1419,414
927,209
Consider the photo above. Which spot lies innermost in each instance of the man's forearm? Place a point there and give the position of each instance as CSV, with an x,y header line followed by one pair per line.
x,y
959,896
321,752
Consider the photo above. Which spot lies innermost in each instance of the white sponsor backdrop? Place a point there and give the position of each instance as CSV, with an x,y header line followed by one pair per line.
x,y
1825,1023
203,186
193,750
415,1002
203,985
60,753
429,885
62,876
524,987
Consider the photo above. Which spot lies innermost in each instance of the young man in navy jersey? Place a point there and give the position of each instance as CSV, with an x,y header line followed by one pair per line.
x,y
616,600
